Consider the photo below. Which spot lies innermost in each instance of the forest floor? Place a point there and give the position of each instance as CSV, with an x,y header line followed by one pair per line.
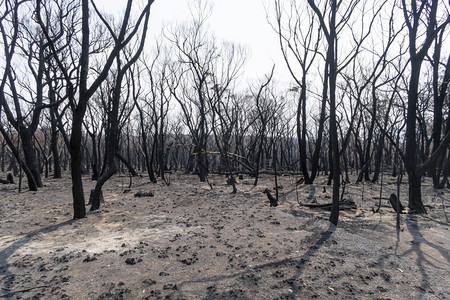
x,y
193,242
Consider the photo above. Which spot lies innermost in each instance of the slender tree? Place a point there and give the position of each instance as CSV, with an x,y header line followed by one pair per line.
x,y
197,53
299,44
112,142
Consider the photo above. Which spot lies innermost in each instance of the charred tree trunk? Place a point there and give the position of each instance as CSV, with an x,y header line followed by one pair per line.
x,y
439,96
258,158
55,152
16,154
76,164
411,159
31,160
95,160
414,18
378,156
445,171
54,128
112,138
144,144
3,156
128,164
334,217
331,64
151,171
301,132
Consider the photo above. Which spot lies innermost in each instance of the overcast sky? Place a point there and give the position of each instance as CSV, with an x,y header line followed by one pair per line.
x,y
240,21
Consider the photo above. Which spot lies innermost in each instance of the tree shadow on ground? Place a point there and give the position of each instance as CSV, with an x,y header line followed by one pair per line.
x,y
297,262
307,256
423,258
6,253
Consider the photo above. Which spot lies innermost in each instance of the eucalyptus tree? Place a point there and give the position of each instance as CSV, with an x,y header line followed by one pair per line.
x,y
94,125
221,101
330,77
245,118
299,44
365,81
22,94
152,99
3,155
197,81
336,18
223,122
54,86
440,84
161,110
79,98
266,107
124,60
140,97
424,28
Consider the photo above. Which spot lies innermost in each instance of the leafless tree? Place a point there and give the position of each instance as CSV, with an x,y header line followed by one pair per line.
x,y
265,108
335,17
123,64
423,29
153,107
440,86
22,96
192,83
299,44
121,37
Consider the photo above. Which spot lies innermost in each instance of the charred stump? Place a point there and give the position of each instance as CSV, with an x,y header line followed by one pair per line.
x,y
272,200
9,179
396,205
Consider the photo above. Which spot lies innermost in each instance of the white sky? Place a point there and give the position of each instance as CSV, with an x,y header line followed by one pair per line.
x,y
240,21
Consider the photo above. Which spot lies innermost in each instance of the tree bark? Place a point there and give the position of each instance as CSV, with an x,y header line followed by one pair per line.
x,y
16,154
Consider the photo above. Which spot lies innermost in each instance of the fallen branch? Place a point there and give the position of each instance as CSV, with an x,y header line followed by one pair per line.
x,y
9,294
327,206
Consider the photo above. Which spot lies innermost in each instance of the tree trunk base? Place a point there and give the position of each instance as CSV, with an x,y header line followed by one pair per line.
x,y
92,196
